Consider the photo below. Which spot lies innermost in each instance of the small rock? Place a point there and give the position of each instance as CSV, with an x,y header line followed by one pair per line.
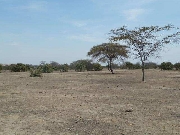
x,y
129,110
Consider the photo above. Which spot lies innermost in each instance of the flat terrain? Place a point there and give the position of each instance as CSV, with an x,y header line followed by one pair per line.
x,y
90,103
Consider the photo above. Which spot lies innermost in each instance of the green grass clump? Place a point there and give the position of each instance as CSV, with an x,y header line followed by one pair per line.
x,y
36,72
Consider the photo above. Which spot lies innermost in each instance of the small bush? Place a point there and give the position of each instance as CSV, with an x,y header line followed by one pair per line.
x,y
129,65
6,67
64,68
177,66
137,66
80,67
87,63
35,72
55,65
150,65
89,66
1,67
46,68
166,66
97,67
19,67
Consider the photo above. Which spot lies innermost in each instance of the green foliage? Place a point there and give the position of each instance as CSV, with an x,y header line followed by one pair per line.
x,y
83,65
97,67
28,67
166,66
137,66
6,67
114,66
80,67
64,68
177,66
1,67
46,68
151,65
87,64
145,42
19,67
108,52
37,72
55,65
129,65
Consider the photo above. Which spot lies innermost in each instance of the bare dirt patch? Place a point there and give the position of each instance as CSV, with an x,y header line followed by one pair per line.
x,y
94,103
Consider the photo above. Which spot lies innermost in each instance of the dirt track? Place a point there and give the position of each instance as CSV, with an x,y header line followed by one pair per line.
x,y
90,103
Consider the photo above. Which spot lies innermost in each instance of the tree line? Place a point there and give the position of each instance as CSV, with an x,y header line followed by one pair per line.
x,y
86,65
140,42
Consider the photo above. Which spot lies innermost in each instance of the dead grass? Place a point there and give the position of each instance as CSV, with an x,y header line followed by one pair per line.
x,y
94,103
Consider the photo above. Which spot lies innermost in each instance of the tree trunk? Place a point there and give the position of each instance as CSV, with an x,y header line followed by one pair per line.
x,y
110,66
143,66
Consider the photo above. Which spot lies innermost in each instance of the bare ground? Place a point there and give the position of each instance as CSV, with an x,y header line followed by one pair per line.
x,y
90,103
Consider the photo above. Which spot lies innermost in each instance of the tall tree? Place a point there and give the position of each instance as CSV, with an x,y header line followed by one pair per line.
x,y
145,42
108,52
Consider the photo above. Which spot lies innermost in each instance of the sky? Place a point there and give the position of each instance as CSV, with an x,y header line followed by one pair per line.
x,y
64,31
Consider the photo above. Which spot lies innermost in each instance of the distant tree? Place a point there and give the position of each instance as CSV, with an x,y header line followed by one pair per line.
x,y
150,65
166,66
55,65
80,67
97,67
35,72
177,66
64,68
145,41
115,66
137,66
45,67
28,67
108,52
129,65
6,67
19,67
1,67
86,64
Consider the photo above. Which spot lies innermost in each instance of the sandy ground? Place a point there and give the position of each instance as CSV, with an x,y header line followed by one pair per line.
x,y
90,103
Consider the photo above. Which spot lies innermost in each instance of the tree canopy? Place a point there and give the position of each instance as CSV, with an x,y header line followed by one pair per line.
x,y
108,52
145,42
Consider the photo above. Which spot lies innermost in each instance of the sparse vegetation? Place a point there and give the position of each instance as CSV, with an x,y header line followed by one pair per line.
x,y
129,65
108,52
80,67
1,67
45,67
37,72
64,68
145,42
166,66
90,103
177,66
19,67
151,65
97,67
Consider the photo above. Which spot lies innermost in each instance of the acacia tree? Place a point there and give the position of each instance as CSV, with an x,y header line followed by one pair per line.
x,y
145,42
108,52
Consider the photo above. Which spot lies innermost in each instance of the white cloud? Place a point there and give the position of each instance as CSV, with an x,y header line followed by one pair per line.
x,y
15,44
87,38
78,23
33,6
133,14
